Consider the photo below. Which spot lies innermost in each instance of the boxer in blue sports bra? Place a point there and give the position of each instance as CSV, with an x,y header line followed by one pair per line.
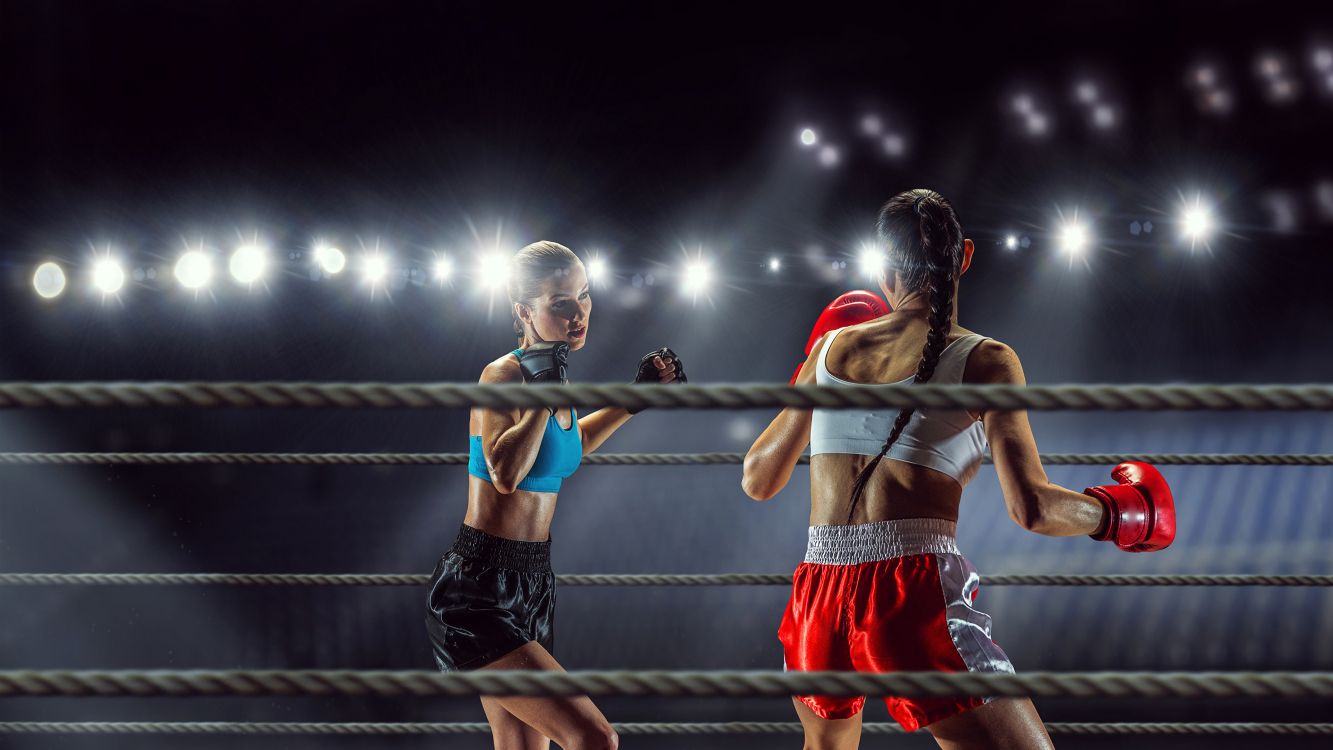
x,y
491,602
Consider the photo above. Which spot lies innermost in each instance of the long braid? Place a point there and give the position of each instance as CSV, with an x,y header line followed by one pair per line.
x,y
941,241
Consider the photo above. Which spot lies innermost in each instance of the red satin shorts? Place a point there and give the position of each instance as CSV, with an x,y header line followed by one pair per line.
x,y
885,597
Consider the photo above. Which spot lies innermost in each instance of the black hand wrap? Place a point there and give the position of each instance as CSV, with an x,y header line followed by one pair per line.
x,y
648,372
545,362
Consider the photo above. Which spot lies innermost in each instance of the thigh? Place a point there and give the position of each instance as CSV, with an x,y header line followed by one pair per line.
x,y
508,731
828,734
1003,722
569,721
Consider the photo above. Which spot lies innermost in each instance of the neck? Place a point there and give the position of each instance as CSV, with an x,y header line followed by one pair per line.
x,y
920,302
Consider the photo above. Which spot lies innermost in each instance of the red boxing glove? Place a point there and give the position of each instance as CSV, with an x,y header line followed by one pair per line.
x,y
1142,512
848,309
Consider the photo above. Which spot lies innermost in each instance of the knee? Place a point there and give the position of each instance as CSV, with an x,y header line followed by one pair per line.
x,y
596,737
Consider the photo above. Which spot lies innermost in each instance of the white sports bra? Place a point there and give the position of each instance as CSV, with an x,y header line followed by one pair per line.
x,y
950,442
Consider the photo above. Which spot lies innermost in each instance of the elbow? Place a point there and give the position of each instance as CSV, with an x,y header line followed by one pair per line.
x,y
1027,513
504,482
757,490
756,483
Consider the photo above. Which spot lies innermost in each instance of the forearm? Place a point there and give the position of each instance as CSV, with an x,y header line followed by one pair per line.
x,y
1051,510
771,460
595,428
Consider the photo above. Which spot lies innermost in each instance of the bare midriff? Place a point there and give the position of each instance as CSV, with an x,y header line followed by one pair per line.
x,y
897,490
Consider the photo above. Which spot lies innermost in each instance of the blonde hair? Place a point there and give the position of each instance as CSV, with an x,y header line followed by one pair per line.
x,y
530,267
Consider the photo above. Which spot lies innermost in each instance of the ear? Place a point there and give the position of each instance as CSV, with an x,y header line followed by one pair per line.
x,y
968,249
523,312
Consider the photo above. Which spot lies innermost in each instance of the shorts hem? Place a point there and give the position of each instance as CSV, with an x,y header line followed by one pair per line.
x,y
811,702
486,657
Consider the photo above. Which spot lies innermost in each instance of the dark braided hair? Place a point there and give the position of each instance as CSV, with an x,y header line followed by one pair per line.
x,y
924,244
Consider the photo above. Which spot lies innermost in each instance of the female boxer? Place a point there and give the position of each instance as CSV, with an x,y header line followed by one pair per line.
x,y
492,598
883,587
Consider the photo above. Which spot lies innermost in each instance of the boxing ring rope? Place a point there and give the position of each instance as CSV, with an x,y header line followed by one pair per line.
x,y
620,459
628,579
671,684
1291,685
140,395
730,727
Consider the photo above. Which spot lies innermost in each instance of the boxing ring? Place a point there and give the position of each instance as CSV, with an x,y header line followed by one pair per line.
x,y
1211,686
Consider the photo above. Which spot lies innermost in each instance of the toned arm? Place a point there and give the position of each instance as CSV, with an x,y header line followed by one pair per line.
x,y
771,460
1033,501
510,438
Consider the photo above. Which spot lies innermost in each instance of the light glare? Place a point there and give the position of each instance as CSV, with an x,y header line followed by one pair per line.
x,y
376,268
194,269
808,137
247,264
1073,238
49,280
444,269
108,276
871,261
697,277
1011,242
597,269
493,270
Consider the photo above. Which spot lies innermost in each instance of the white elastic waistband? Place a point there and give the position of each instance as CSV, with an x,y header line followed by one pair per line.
x,y
881,540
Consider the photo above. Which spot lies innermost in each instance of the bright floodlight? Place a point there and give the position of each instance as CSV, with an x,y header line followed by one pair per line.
x,y
1073,238
871,261
247,264
808,137
1086,92
1196,223
1103,116
108,276
493,270
49,280
194,269
331,260
1322,59
696,278
828,156
1011,242
774,265
375,268
1023,104
597,269
443,270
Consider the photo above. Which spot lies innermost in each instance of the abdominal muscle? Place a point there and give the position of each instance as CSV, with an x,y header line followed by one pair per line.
x,y
522,515
896,490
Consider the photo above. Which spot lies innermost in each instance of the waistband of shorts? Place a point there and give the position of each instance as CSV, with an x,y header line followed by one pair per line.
x,y
511,554
881,540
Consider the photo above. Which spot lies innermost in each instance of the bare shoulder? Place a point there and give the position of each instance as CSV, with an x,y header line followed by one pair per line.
x,y
502,370
993,361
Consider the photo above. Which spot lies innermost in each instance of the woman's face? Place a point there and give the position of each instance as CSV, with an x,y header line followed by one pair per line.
x,y
561,311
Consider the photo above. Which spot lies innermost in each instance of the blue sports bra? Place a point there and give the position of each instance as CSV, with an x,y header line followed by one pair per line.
x,y
948,441
557,458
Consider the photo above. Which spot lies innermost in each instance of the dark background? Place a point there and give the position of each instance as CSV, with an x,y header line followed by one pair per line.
x,y
646,134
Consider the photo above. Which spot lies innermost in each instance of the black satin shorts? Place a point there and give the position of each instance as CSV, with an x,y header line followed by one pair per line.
x,y
489,596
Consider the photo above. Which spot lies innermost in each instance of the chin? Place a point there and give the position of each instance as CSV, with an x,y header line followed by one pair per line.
x,y
577,344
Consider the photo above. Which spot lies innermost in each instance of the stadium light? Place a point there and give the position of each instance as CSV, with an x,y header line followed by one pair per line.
x,y
194,269
108,276
49,280
248,263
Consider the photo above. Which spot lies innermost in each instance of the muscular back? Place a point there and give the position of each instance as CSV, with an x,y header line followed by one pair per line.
x,y
887,350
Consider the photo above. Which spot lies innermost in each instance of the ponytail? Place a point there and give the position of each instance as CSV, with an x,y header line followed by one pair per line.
x,y
940,243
